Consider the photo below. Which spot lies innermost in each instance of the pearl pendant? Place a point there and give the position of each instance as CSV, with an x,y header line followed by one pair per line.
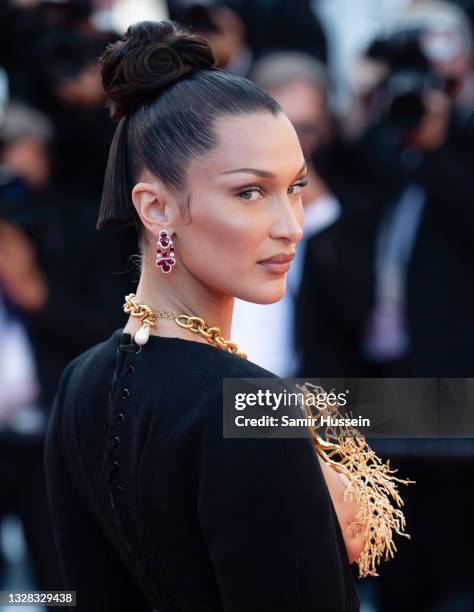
x,y
142,335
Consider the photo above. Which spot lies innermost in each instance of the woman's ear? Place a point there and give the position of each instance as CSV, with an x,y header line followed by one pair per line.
x,y
154,203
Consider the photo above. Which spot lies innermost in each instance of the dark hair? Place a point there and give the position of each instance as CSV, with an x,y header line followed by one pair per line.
x,y
163,87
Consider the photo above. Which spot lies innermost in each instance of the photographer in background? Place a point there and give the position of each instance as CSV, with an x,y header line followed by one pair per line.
x,y
25,25
72,97
413,193
57,277
24,173
446,40
416,217
424,251
55,231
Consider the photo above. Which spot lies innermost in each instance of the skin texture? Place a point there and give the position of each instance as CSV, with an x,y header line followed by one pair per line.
x,y
234,221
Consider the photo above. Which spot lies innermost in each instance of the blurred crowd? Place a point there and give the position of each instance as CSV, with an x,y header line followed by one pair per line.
x,y
380,286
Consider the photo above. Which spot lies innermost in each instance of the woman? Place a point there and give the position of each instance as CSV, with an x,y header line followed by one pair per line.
x,y
153,508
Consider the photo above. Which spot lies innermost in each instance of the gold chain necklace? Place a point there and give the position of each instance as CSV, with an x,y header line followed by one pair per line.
x,y
147,318
371,482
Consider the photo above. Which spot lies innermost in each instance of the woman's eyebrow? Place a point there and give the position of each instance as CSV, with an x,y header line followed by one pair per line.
x,y
262,173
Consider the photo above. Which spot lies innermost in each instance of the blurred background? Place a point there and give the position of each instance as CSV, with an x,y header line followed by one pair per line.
x,y
381,93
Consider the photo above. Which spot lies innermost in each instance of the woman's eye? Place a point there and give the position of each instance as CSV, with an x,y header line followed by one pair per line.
x,y
252,193
297,187
247,194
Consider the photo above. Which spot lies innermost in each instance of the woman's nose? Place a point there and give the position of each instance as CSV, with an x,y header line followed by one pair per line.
x,y
289,222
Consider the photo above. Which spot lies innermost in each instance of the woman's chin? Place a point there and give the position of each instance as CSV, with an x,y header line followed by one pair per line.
x,y
265,294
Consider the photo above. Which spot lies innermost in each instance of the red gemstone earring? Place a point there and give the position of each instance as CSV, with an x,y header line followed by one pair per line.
x,y
165,257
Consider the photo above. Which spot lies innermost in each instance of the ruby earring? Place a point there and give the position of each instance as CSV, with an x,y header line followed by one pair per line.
x,y
165,257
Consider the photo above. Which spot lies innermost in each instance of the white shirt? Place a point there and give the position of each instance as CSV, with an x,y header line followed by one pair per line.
x,y
387,331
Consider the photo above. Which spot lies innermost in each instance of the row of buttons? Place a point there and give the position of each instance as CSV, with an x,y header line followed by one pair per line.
x,y
116,493
122,395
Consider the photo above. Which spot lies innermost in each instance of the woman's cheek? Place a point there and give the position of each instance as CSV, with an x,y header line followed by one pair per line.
x,y
236,234
228,240
209,256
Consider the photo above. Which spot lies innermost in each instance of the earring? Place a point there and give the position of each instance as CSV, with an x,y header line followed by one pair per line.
x,y
165,257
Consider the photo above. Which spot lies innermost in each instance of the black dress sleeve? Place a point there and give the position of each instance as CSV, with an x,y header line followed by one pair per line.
x,y
270,526
89,563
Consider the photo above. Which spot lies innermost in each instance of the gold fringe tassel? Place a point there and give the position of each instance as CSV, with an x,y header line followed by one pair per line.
x,y
373,485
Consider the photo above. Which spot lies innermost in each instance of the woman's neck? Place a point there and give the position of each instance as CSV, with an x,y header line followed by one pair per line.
x,y
180,293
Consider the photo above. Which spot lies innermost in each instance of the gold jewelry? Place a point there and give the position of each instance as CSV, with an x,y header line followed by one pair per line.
x,y
371,482
147,318
372,485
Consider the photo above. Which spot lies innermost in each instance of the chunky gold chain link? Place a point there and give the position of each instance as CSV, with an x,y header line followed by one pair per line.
x,y
148,317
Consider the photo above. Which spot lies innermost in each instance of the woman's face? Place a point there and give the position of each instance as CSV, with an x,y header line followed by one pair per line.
x,y
246,212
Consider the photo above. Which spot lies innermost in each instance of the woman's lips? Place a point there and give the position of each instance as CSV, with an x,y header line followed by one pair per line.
x,y
278,264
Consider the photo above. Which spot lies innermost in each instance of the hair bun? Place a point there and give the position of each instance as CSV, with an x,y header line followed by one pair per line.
x,y
151,55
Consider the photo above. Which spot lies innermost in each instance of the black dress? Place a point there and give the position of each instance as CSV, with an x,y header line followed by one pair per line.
x,y
154,509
